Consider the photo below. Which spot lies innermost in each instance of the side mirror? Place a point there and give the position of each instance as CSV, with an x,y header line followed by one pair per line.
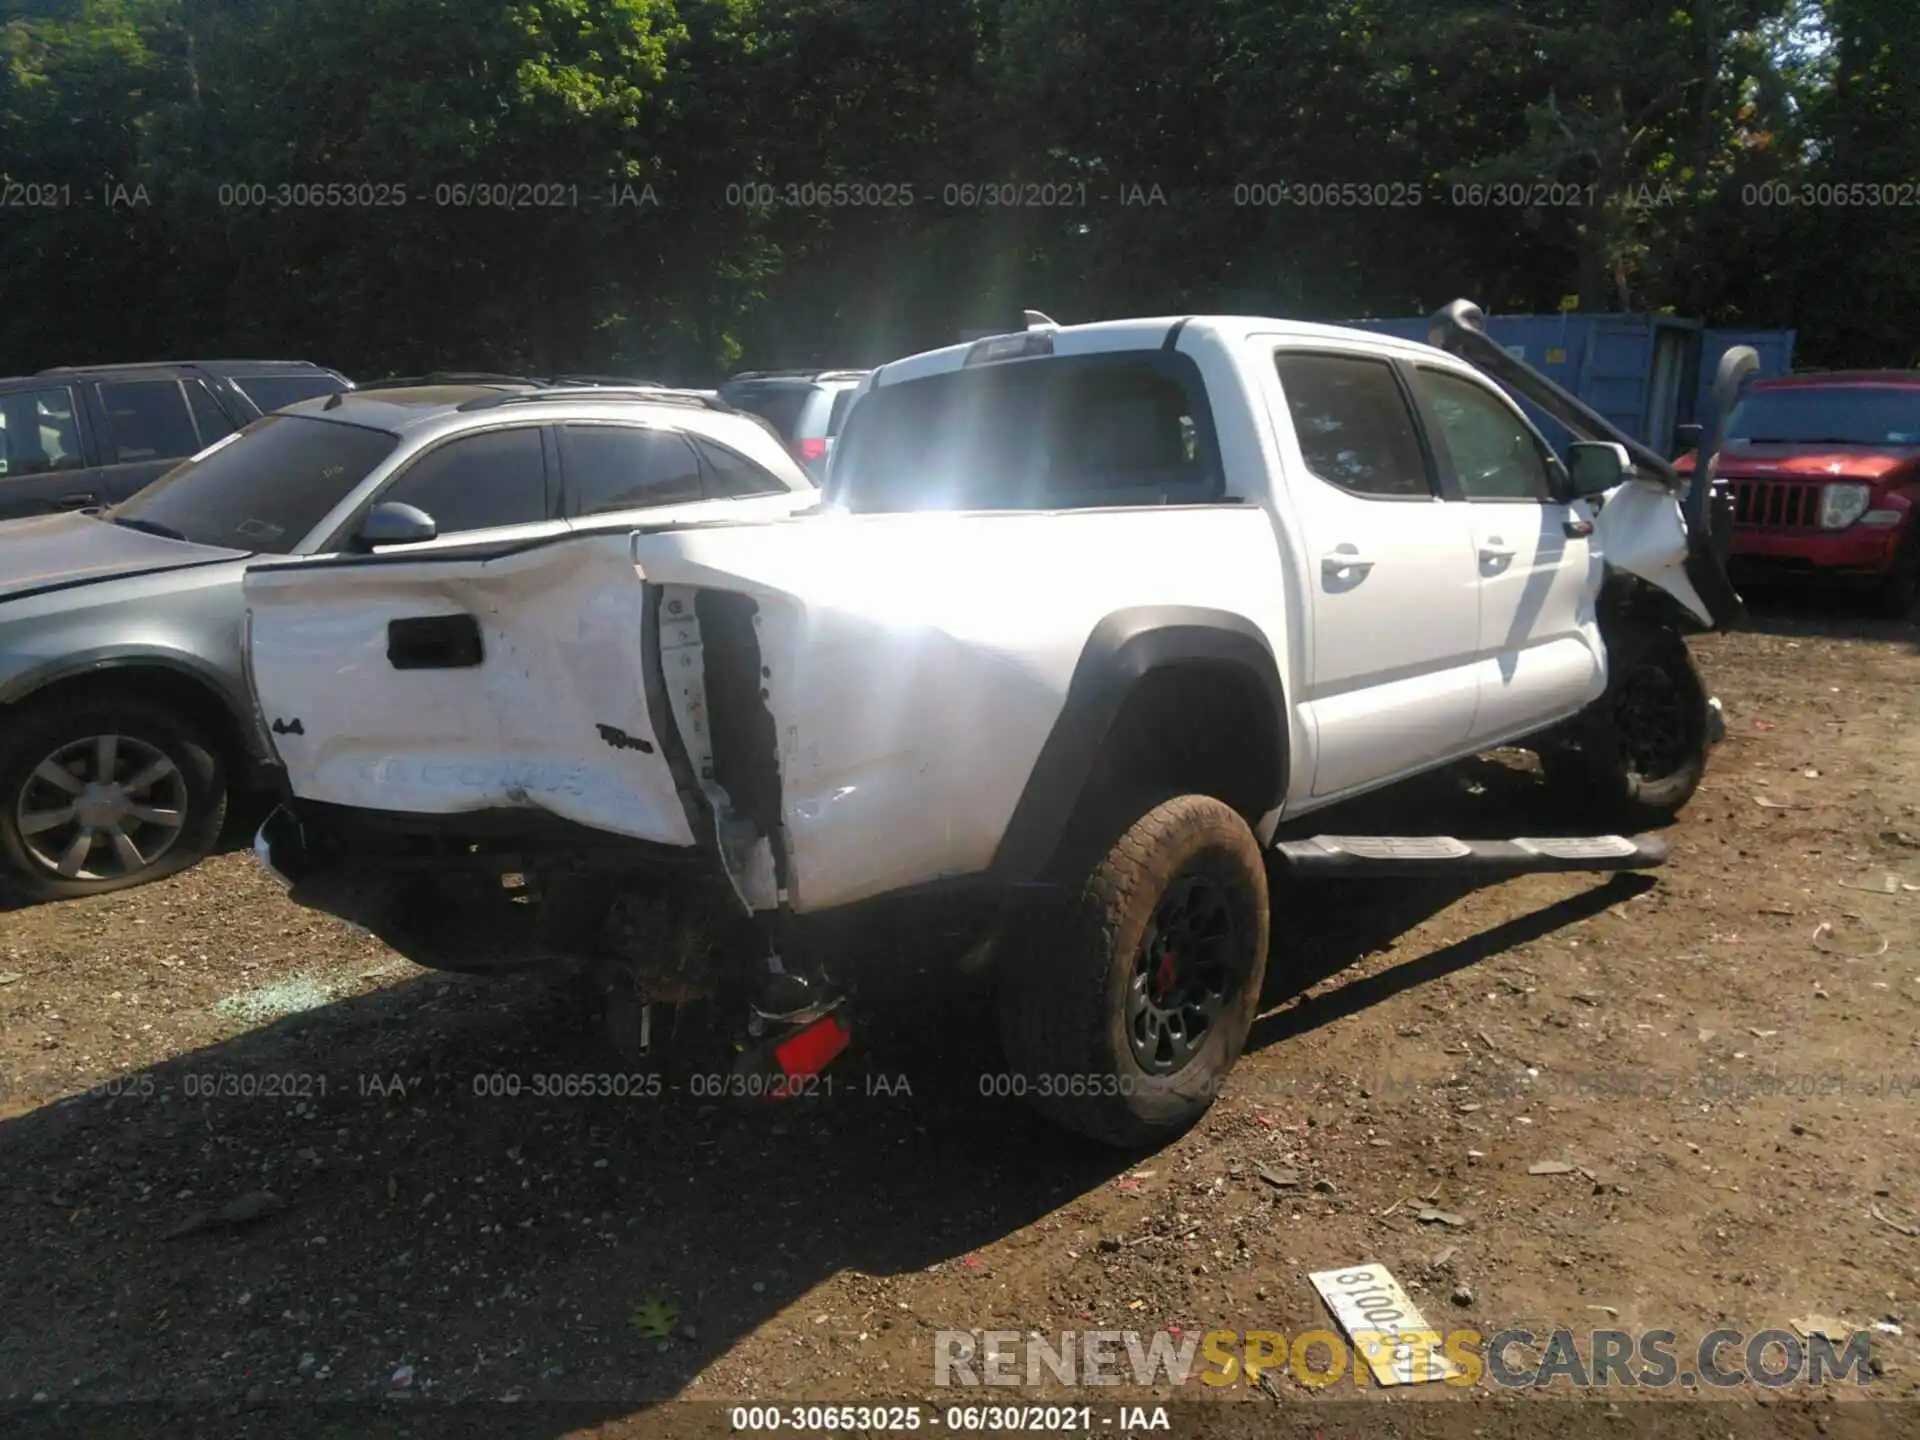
x,y
391,523
1596,466
1687,437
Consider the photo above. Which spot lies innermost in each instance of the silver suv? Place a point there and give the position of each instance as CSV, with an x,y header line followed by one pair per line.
x,y
124,716
807,407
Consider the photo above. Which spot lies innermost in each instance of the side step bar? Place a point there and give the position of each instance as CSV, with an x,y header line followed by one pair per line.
x,y
1367,856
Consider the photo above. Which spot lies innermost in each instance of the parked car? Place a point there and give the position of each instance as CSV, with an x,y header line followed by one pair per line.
x,y
124,714
807,407
1824,471
1087,613
85,435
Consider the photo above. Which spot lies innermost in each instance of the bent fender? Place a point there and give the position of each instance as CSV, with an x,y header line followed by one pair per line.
x,y
1642,530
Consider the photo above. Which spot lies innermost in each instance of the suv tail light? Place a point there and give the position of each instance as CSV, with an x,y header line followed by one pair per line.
x,y
806,451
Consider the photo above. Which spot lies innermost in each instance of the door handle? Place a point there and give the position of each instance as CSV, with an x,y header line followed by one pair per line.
x,y
1345,557
77,502
1495,548
434,642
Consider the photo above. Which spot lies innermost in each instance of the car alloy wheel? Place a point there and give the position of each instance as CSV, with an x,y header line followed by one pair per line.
x,y
1182,974
105,807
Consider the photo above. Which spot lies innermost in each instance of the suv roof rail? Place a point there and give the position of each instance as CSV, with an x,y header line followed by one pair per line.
x,y
173,365
808,372
449,377
648,394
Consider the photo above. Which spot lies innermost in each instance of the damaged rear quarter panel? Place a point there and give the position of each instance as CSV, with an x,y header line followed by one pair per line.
x,y
915,664
554,718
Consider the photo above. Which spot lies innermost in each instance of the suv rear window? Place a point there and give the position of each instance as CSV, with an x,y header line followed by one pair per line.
x,y
1127,428
779,405
264,489
270,392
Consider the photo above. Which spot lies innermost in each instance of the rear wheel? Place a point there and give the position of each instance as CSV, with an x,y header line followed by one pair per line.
x,y
98,795
1124,1022
1639,753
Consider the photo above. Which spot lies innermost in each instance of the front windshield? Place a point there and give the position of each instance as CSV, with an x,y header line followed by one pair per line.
x,y
262,491
1829,415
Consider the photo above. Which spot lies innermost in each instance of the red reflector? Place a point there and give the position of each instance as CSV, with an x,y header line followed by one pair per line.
x,y
809,449
813,1049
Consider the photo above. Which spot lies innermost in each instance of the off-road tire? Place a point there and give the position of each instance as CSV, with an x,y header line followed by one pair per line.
x,y
1064,999
33,733
1597,770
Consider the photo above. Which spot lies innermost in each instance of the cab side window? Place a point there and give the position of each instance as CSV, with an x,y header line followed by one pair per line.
x,y
1495,456
1355,427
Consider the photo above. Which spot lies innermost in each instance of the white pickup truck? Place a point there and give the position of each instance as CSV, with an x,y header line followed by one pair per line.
x,y
1086,613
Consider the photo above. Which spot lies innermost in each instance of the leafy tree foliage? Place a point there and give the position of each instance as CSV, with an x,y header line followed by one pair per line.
x,y
701,183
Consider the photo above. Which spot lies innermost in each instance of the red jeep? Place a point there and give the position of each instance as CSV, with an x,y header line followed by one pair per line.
x,y
1825,478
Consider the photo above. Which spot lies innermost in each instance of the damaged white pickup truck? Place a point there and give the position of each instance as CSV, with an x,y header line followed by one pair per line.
x,y
1086,613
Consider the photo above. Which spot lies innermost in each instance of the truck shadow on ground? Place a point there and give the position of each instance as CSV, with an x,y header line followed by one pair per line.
x,y
1826,614
445,1209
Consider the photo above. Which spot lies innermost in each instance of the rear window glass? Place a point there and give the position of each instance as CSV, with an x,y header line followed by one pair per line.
x,y
780,407
264,489
730,476
1829,415
1119,429
270,392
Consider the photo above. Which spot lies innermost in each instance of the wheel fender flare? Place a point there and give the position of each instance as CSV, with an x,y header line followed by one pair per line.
x,y
1122,651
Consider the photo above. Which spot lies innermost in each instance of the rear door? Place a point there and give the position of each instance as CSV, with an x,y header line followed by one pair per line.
x,y
145,424
44,465
1540,654
1395,605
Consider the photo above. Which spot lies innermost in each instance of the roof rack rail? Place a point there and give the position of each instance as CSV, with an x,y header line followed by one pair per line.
x,y
650,394
172,365
805,372
450,377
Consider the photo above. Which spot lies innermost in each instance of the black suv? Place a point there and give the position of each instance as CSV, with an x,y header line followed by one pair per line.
x,y
77,436
807,407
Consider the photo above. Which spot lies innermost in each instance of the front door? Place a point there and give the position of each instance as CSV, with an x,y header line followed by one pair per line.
x,y
1394,590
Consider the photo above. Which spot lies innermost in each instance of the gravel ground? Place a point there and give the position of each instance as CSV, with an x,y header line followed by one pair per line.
x,y
252,1158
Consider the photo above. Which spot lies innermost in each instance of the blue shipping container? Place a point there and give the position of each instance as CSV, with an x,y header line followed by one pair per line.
x,y
1645,373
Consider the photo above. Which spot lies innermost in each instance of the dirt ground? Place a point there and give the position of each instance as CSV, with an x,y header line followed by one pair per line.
x,y
1727,1054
